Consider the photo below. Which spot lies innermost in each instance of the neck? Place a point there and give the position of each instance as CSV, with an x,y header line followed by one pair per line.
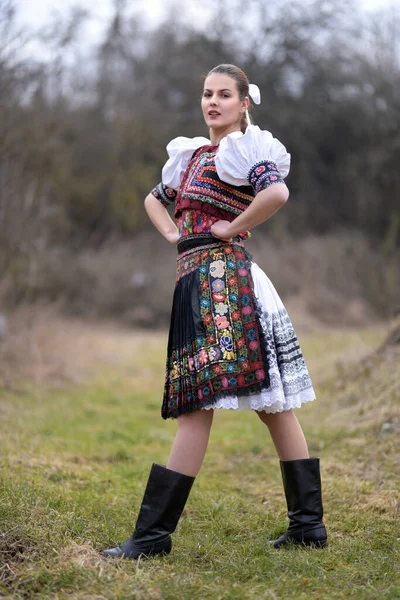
x,y
216,135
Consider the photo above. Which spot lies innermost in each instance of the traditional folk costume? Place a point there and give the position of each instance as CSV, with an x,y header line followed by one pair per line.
x,y
231,342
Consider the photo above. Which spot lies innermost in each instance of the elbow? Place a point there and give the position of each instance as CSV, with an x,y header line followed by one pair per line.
x,y
283,194
148,201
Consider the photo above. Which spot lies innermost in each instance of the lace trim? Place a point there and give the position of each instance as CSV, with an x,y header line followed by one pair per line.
x,y
268,401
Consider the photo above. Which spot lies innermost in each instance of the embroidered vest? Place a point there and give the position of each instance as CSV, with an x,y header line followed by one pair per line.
x,y
202,189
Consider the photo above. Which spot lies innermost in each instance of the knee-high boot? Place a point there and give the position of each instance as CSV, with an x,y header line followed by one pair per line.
x,y
162,505
302,484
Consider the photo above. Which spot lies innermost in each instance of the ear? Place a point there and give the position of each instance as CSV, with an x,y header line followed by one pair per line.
x,y
245,104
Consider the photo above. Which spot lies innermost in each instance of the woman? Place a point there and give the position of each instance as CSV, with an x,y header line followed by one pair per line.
x,y
231,342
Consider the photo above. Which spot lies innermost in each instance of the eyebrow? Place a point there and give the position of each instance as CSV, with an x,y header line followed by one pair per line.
x,y
223,90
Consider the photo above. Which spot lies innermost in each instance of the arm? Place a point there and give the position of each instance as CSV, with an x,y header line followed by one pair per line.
x,y
160,218
266,203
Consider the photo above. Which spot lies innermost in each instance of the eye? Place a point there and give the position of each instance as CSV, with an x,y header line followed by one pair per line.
x,y
206,94
226,95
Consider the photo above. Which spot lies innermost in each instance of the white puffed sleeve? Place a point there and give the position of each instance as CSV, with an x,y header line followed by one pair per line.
x,y
180,151
254,157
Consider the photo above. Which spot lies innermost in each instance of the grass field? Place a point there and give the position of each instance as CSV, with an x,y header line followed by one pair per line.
x,y
75,460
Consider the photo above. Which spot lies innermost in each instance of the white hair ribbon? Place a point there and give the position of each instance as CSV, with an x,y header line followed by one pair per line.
x,y
254,93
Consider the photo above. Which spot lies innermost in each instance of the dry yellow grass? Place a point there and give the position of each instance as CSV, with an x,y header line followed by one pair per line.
x,y
43,346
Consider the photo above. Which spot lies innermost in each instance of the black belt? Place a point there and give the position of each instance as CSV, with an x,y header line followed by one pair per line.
x,y
203,240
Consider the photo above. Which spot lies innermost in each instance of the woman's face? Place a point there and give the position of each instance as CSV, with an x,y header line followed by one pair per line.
x,y
221,105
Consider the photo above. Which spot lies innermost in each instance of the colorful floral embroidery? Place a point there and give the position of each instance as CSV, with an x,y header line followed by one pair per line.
x,y
217,268
264,174
164,194
207,318
195,222
201,185
203,198
218,285
221,308
228,352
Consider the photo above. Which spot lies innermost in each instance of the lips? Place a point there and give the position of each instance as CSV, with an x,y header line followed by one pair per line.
x,y
213,113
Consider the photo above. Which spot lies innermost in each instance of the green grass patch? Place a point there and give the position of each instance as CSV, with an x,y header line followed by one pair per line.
x,y
74,464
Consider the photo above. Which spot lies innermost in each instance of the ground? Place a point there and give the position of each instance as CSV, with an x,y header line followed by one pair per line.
x,y
78,437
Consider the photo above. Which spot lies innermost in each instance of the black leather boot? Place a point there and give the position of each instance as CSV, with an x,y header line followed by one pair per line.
x,y
162,505
302,484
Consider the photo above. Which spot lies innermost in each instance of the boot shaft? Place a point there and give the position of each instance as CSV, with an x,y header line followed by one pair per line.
x,y
302,484
164,500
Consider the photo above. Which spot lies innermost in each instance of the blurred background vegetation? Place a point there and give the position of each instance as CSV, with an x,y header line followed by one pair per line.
x,y
83,136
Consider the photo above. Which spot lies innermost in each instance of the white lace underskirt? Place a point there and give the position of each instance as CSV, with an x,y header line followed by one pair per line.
x,y
290,383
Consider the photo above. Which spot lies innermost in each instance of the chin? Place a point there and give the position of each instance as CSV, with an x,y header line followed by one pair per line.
x,y
215,125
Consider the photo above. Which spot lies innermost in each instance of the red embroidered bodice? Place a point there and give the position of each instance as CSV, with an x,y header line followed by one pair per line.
x,y
202,194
